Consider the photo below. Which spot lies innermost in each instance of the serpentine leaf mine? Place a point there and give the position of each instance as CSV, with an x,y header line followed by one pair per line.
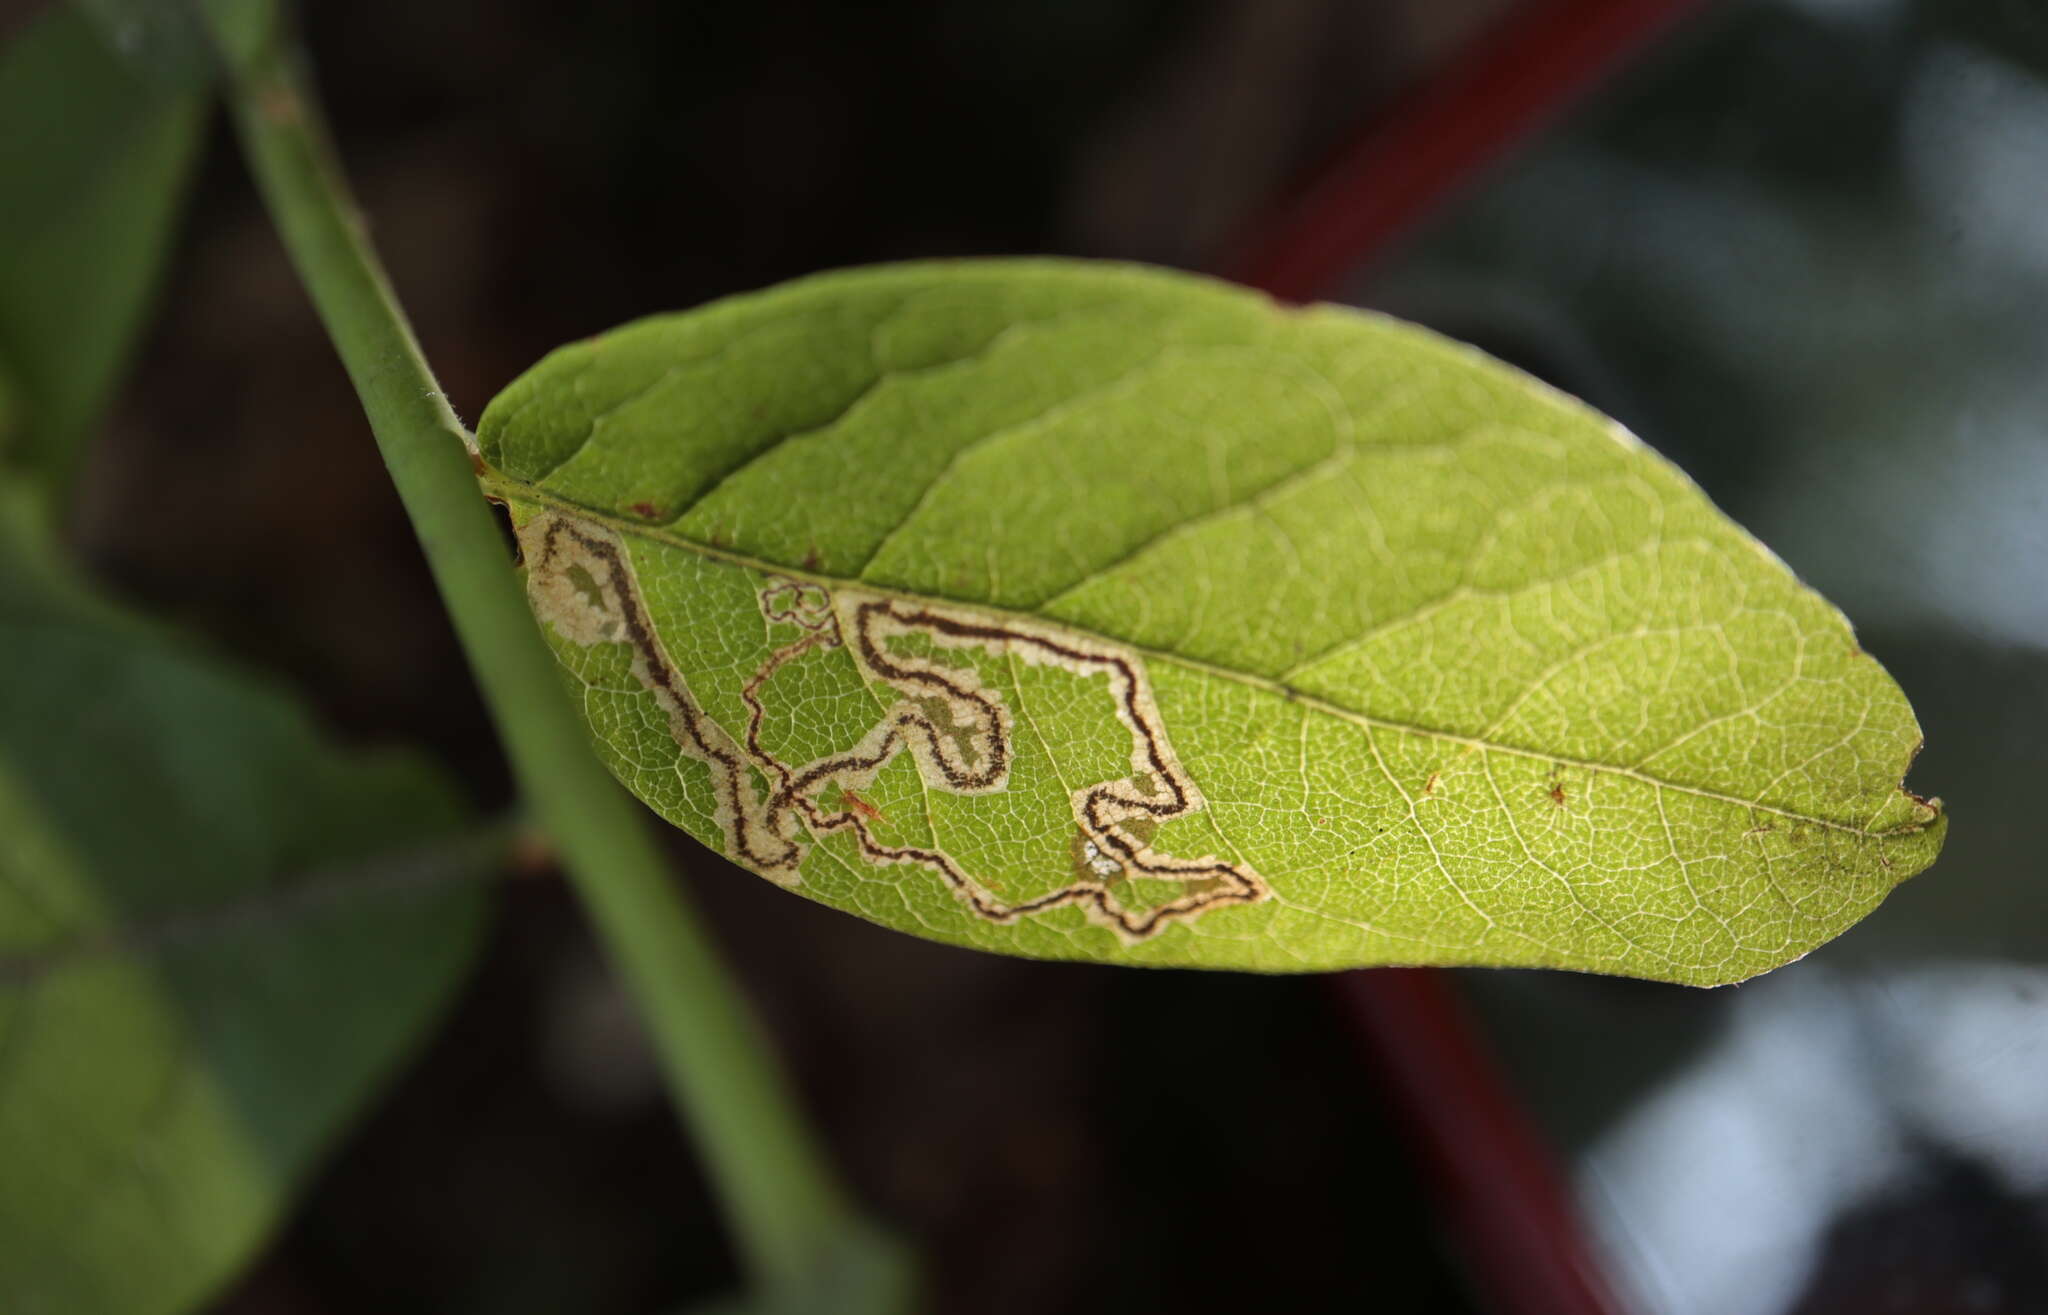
x,y
958,732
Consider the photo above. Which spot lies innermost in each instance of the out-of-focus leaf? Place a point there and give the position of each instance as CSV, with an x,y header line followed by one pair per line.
x,y
1081,611
171,42
95,154
218,937
32,571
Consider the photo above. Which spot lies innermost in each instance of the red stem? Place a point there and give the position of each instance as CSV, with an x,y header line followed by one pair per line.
x,y
1507,84
1500,1188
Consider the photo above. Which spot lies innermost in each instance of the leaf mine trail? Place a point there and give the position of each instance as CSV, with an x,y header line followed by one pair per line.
x,y
958,732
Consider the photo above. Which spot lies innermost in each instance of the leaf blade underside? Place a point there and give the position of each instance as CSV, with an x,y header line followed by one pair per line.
x,y
1087,611
219,936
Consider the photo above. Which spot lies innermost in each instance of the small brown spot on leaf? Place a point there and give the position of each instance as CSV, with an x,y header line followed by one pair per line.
x,y
645,510
1429,786
862,806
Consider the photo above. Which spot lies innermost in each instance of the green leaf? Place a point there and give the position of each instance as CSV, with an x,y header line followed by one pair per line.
x,y
218,937
1091,612
182,45
96,149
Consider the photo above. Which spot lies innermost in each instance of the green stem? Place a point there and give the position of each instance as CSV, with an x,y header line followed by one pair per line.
x,y
790,1216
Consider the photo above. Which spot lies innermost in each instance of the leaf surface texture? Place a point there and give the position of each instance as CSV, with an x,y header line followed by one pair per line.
x,y
1094,612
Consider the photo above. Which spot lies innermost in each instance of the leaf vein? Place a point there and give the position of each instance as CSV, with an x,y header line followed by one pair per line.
x,y
504,487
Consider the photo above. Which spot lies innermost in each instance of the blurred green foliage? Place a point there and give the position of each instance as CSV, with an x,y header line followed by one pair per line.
x,y
219,934
95,158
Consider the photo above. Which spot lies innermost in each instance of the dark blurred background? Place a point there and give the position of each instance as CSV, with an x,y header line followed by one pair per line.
x,y
1798,246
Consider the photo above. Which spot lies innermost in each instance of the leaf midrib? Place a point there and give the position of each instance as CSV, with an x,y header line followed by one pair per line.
x,y
413,871
496,484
